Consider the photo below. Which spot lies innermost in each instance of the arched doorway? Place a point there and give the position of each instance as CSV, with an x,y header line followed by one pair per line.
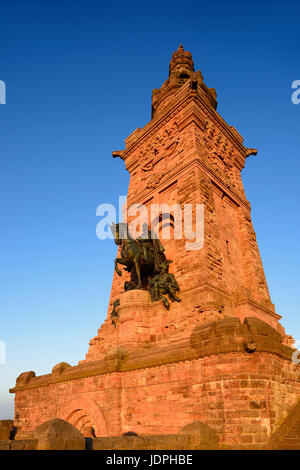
x,y
86,415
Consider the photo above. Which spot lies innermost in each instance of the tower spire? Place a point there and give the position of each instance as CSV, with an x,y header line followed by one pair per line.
x,y
181,70
181,59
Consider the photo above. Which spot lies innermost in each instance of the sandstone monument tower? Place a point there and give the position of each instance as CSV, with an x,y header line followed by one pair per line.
x,y
219,356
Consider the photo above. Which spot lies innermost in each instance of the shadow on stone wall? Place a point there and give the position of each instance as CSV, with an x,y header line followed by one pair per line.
x,y
58,434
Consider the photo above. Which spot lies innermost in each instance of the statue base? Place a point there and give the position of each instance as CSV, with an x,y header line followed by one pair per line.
x,y
132,324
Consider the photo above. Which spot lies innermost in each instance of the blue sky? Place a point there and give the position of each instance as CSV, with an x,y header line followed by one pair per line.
x,y
79,78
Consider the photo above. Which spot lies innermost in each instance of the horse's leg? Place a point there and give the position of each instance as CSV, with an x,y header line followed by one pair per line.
x,y
138,270
173,295
165,302
121,261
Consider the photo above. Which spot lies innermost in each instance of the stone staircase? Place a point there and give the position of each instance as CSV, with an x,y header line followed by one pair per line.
x,y
287,437
291,440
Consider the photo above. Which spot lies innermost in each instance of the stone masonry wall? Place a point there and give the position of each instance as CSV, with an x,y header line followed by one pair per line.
x,y
243,397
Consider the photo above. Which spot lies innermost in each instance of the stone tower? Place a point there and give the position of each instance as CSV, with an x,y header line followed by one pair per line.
x,y
188,154
220,356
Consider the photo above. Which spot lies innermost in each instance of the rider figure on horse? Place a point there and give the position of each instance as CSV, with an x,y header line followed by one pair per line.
x,y
151,242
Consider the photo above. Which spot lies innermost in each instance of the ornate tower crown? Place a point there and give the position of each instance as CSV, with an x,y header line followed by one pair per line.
x,y
181,70
181,57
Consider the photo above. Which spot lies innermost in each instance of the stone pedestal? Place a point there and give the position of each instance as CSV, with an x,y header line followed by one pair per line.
x,y
133,326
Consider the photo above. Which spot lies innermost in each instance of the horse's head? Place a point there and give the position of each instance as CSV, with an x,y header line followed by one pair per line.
x,y
113,227
115,231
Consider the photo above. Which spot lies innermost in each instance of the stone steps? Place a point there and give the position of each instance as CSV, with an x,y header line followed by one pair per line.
x,y
291,440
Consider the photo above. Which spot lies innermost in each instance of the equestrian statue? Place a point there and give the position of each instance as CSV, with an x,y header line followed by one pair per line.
x,y
145,260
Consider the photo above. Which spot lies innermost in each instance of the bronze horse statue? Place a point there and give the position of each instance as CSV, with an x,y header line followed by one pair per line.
x,y
141,256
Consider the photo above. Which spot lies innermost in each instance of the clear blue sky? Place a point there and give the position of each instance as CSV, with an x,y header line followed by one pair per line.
x,y
79,78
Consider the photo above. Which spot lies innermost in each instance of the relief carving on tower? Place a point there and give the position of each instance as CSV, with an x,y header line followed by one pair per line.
x,y
210,312
212,235
159,156
221,157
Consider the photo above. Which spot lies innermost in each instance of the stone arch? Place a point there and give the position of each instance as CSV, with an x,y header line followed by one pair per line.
x,y
84,412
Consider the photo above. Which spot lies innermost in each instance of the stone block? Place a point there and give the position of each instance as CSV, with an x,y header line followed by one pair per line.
x,y
60,368
18,445
6,429
5,444
76,444
24,378
48,443
203,436
57,434
30,444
